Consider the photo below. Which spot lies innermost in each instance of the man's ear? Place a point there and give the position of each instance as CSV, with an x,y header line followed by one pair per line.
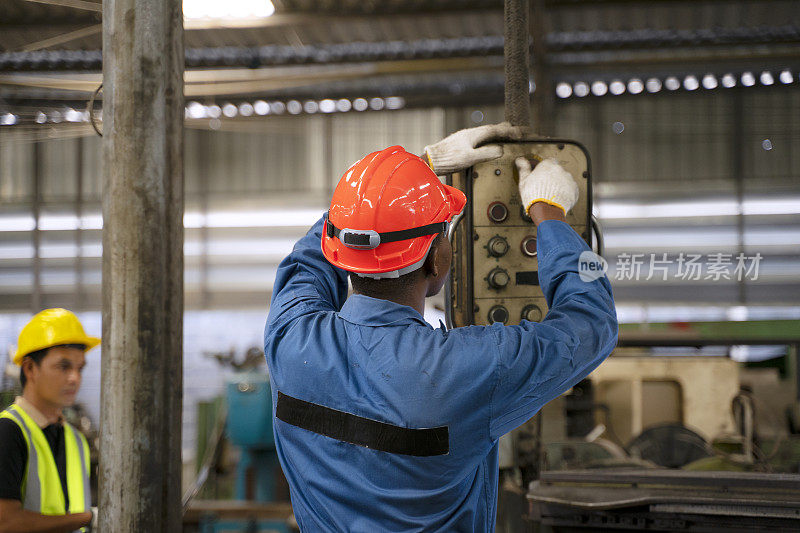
x,y
27,363
431,262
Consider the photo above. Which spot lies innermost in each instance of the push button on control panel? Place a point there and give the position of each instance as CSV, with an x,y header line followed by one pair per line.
x,y
497,212
498,278
497,246
531,313
498,313
528,246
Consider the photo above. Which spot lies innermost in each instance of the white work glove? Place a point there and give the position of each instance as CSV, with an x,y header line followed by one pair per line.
x,y
93,524
548,183
458,151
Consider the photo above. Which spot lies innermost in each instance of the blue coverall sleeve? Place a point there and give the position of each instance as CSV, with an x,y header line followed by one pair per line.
x,y
306,282
538,361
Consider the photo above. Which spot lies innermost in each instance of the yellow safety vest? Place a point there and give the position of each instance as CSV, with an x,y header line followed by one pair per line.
x,y
41,486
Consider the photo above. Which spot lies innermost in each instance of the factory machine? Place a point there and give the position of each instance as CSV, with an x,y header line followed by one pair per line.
x,y
249,403
260,493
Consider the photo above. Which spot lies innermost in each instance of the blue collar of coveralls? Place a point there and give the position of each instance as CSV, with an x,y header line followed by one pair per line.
x,y
367,311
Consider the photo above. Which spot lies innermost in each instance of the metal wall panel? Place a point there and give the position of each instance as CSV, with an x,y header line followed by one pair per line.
x,y
772,116
16,166
354,135
58,167
675,147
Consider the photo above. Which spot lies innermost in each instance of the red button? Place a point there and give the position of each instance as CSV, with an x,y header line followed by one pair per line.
x,y
529,246
497,212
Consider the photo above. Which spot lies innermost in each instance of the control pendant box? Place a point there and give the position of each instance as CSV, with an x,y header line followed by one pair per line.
x,y
495,273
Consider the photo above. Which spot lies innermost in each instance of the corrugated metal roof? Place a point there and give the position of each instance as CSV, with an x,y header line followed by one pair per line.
x,y
308,22
416,39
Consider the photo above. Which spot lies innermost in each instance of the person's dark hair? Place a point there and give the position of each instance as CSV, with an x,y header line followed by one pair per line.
x,y
386,287
38,355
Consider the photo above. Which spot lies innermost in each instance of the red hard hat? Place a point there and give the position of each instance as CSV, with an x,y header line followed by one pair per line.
x,y
385,212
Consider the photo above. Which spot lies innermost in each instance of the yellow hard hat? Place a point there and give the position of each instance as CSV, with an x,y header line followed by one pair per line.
x,y
51,327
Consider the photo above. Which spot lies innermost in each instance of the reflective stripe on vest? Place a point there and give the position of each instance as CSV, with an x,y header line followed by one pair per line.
x,y
41,486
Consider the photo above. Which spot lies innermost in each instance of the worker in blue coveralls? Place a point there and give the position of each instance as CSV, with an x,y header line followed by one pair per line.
x,y
382,422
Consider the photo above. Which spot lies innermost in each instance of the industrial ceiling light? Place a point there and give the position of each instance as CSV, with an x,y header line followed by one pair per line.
x,y
213,111
581,89
246,109
710,81
616,87
786,77
563,90
766,78
9,119
343,105
395,102
70,115
294,107
653,85
748,80
228,10
672,83
635,86
690,83
327,105
599,88
196,110
261,107
230,110
728,81
360,104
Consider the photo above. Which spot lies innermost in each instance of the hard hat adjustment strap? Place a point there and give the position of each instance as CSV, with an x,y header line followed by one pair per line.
x,y
369,239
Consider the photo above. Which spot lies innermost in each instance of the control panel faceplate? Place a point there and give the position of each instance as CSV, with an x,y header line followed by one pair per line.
x,y
495,245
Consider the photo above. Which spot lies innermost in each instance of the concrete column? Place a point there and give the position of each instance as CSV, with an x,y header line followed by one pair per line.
x,y
140,426
517,88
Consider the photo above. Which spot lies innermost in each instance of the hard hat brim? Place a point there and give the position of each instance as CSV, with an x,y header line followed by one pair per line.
x,y
88,341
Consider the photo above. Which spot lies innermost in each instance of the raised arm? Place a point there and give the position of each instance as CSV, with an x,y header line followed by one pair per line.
x,y
306,282
539,361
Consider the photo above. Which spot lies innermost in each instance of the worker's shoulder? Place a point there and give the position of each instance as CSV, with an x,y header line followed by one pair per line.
x,y
10,433
475,333
466,343
77,432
